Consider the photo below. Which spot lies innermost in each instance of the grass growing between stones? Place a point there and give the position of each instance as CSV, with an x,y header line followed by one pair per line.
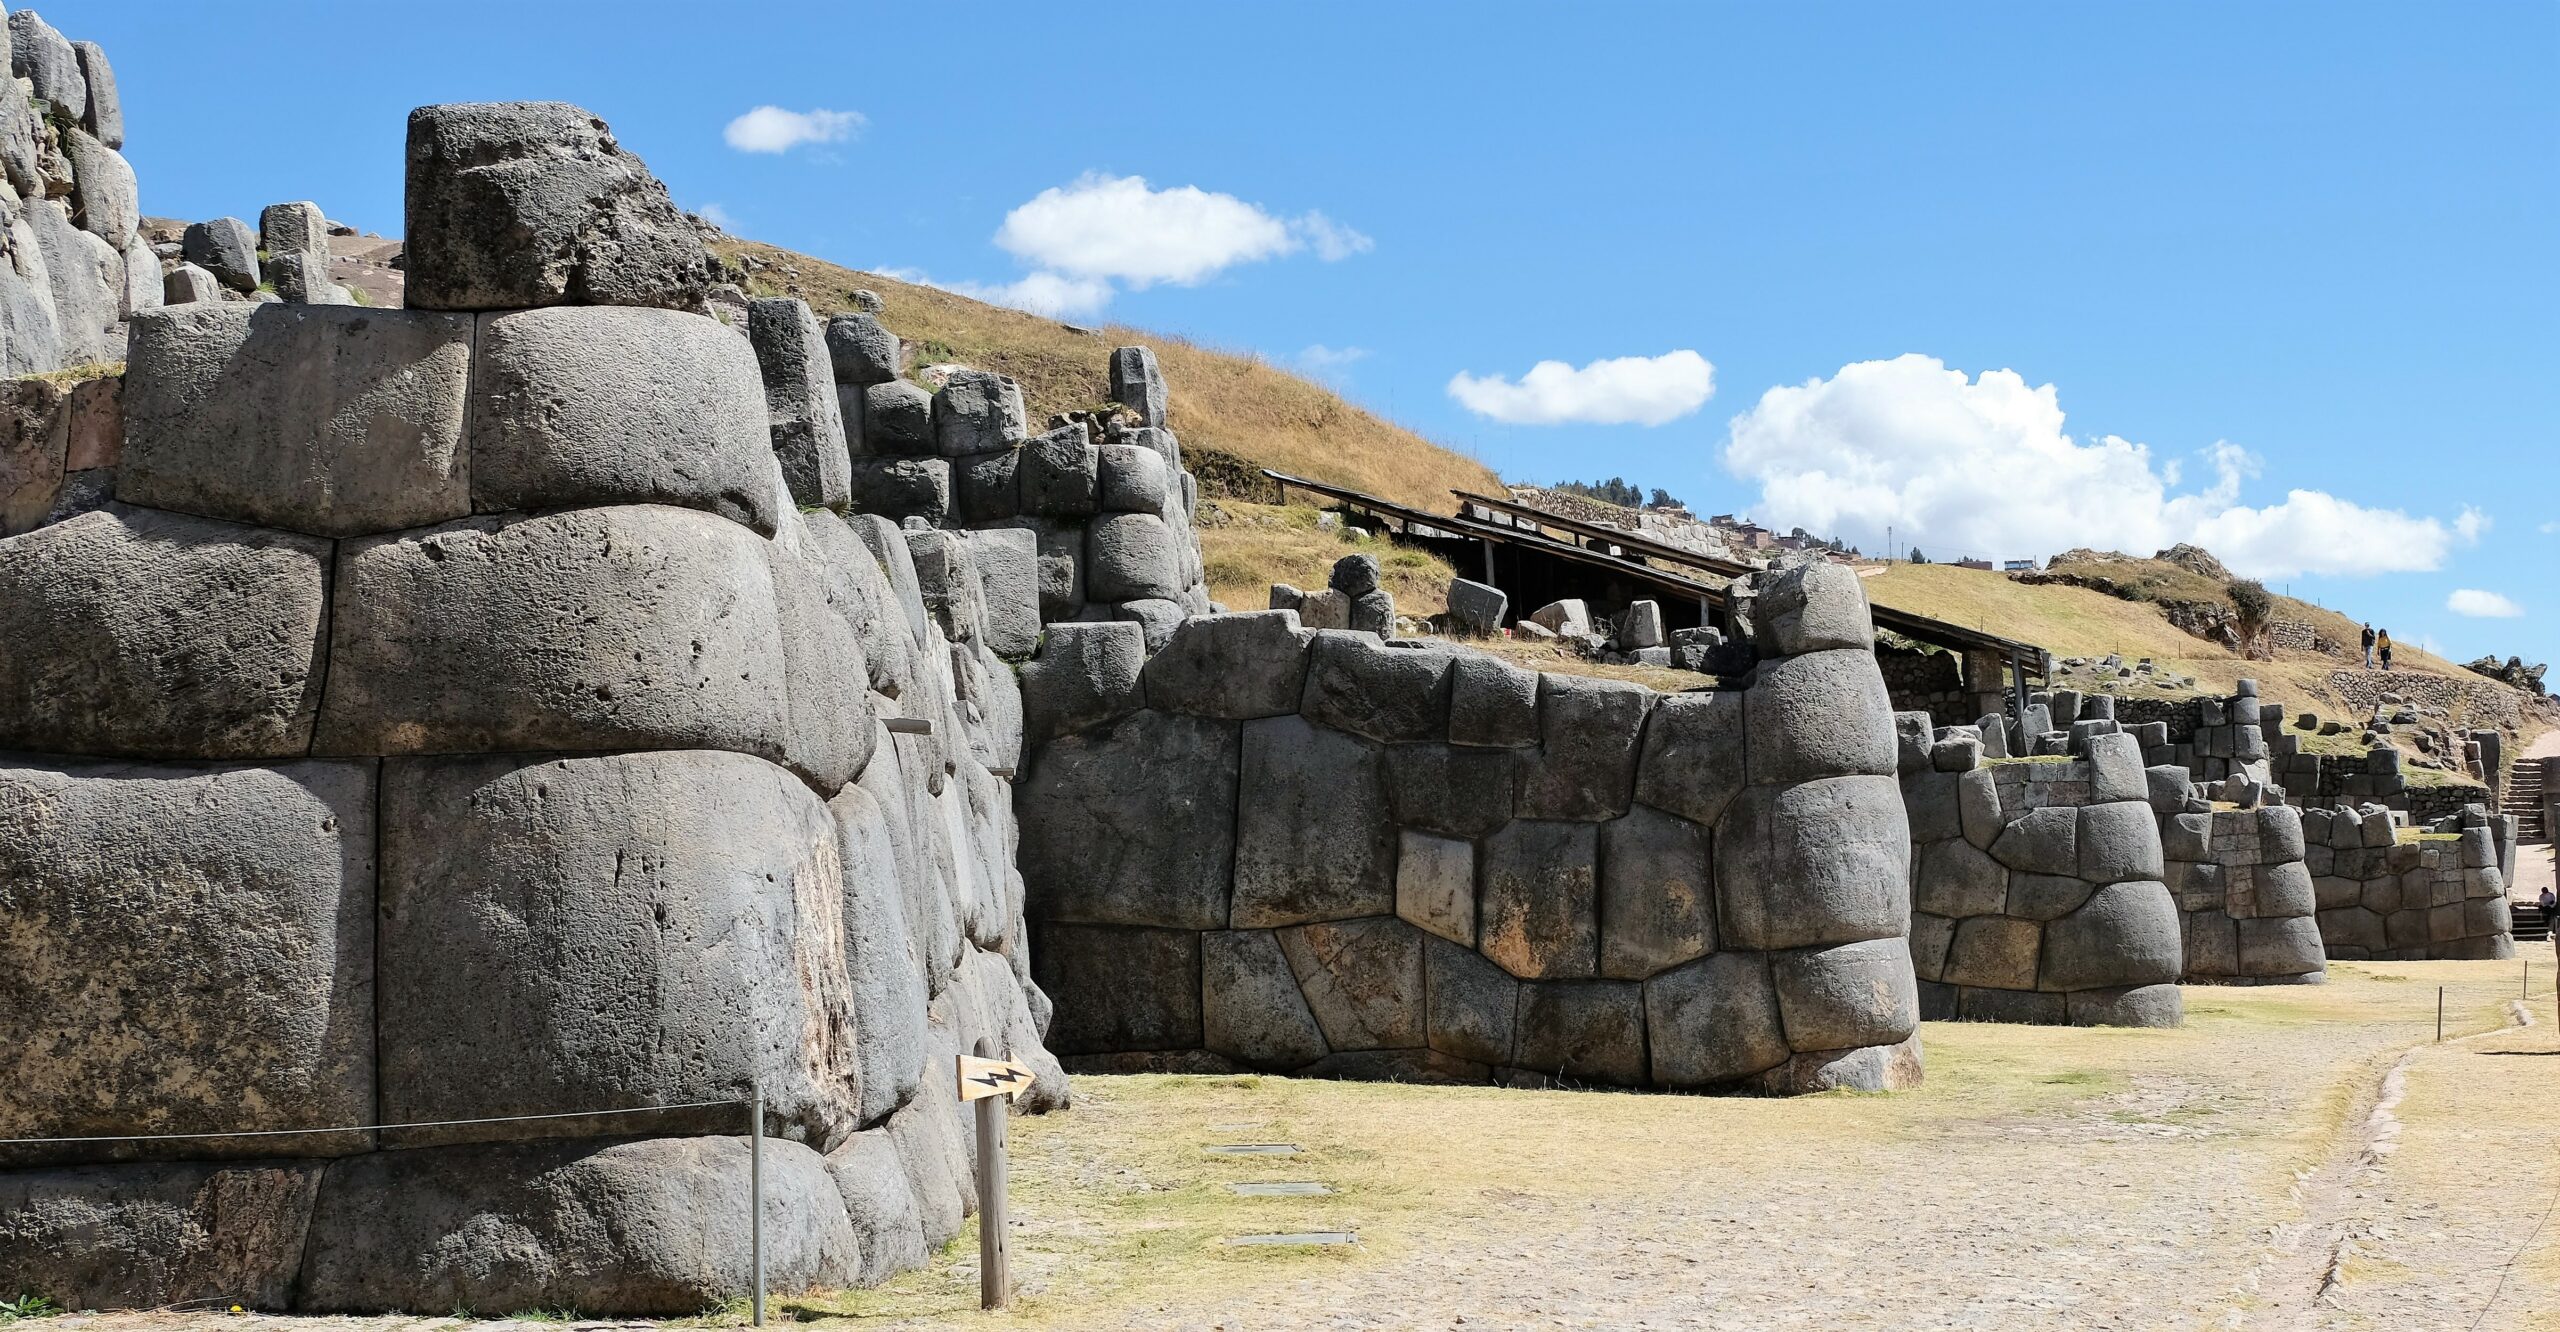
x,y
2081,1174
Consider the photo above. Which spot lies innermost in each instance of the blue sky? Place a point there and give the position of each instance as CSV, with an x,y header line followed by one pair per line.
x,y
2249,249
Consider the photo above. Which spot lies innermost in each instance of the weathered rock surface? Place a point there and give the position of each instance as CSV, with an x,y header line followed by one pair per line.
x,y
1135,824
800,402
154,1235
1313,841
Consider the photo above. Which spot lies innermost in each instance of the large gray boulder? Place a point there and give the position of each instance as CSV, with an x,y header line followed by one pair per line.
x,y
2119,841
333,420
654,1226
1657,896
1692,761
1826,862
188,283
688,938
294,228
1472,1003
1492,703
883,959
106,116
1955,878
226,248
1813,607
1538,908
1008,564
1450,789
159,1234
903,488
579,407
1060,475
1818,714
520,204
1357,684
30,336
800,402
1252,1010
880,1204
1363,980
1084,675
1137,384
2127,934
1119,988
1235,666
220,916
829,730
617,628
1713,1021
1313,837
1134,479
977,411
45,59
86,274
300,279
1436,885
1585,764
1582,1031
103,189
860,350
135,632
1842,998
1134,825
1129,556
897,419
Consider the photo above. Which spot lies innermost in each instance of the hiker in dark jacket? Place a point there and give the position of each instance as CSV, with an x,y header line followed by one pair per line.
x,y
2368,647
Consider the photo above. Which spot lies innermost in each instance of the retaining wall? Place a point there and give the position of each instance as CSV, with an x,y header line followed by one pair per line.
x,y
2385,894
2036,884
2244,892
467,712
1310,851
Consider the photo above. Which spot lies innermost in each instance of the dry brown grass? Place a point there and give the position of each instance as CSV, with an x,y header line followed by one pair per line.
x,y
1221,402
1247,547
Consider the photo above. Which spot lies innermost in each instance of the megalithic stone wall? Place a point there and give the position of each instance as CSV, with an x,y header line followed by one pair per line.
x,y
1309,851
2244,891
455,717
2036,884
73,264
2405,894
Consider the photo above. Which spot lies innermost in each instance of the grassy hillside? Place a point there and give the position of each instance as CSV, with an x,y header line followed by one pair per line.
x,y
1224,405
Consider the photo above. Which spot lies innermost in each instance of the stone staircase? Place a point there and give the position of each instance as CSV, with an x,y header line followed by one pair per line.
x,y
2531,926
2524,795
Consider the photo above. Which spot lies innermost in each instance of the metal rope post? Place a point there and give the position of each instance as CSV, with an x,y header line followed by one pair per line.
x,y
755,1188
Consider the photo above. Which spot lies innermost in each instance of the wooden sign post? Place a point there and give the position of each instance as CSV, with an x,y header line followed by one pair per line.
x,y
991,1082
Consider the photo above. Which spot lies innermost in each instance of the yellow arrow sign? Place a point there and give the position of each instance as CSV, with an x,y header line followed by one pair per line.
x,y
981,1078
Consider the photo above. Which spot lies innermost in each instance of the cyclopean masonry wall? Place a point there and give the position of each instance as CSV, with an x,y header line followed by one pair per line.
x,y
1310,851
2243,889
456,717
2384,894
2036,884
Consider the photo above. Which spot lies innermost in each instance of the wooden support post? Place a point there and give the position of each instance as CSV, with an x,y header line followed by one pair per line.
x,y
995,1278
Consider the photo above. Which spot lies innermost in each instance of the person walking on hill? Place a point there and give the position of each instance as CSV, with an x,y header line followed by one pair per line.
x,y
2382,641
2368,645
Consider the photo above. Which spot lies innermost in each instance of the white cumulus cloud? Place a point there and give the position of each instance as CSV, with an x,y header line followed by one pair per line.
x,y
1332,241
2473,602
1982,466
1623,390
771,129
1115,227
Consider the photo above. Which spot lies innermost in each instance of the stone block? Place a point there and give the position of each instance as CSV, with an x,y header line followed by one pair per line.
x,y
1129,556
573,407
1978,807
2042,841
2187,837
220,920
1118,988
800,401
46,60
1363,980
2119,841
294,228
1571,616
2285,890
884,954
333,420
880,1205
1357,684
1313,838
2281,946
1813,607
897,419
2127,1006
1827,862
903,488
1714,1021
1641,626
1476,610
652,1226
977,411
1933,802
1234,666
828,727
702,898
1853,995
1449,790
1134,824
188,283
1931,937
1657,899
1994,952
1692,758
520,204
1138,385
1584,768
1582,1031
1061,474
1492,703
614,628
1957,879
1820,714
102,187
1537,908
1008,565
1134,479
2024,1007
1084,675
2115,770
2127,934
1436,885
226,248
986,488
153,1235
861,351
136,632
1472,1005
1252,1010
2046,896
